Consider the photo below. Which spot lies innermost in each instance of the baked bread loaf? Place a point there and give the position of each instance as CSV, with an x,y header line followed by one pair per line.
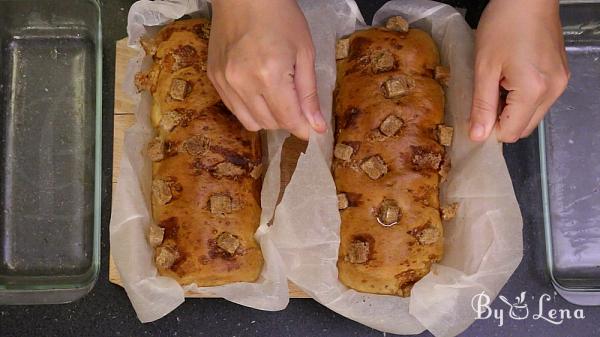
x,y
206,167
389,157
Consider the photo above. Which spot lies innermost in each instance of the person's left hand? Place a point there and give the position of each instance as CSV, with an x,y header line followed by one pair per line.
x,y
521,49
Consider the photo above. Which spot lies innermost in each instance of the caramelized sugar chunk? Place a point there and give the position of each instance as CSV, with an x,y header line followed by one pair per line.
x,y
382,61
149,45
196,146
228,242
426,235
398,86
156,149
161,191
220,204
342,49
389,213
358,252
170,120
343,151
423,160
156,235
391,125
374,167
445,168
342,201
375,135
184,56
442,75
165,257
227,169
449,211
142,82
398,24
179,89
445,134
256,171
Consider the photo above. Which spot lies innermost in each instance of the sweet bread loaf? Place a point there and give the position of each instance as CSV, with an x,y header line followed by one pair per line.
x,y
206,167
389,157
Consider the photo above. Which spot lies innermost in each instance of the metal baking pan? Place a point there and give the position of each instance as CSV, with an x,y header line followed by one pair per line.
x,y
570,163
50,139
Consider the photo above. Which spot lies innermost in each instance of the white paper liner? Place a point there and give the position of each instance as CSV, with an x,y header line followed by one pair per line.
x,y
151,295
483,244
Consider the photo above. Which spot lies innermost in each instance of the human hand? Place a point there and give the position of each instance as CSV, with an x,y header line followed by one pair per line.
x,y
521,49
261,61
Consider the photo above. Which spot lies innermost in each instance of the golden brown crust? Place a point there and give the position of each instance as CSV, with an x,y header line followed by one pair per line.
x,y
206,156
394,208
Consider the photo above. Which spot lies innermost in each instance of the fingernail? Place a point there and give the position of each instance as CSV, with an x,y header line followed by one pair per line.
x,y
311,120
318,122
477,131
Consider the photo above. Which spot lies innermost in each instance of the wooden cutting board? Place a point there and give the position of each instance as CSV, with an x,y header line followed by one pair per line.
x,y
124,118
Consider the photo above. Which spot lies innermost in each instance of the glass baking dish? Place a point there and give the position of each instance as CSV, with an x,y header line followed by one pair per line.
x,y
50,143
570,163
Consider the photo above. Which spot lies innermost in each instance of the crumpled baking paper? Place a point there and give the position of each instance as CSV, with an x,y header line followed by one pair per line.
x,y
483,244
152,295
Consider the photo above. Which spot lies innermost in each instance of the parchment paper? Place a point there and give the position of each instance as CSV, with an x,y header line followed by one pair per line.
x,y
483,244
151,295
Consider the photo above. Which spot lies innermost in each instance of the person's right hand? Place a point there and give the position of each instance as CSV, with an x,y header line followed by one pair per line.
x,y
261,61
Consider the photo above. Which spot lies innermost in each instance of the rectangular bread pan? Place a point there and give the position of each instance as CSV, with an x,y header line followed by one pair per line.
x,y
50,141
570,163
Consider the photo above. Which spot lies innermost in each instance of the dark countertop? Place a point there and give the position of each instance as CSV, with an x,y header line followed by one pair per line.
x,y
106,311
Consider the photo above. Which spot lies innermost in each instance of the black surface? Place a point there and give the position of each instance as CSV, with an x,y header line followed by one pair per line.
x,y
106,311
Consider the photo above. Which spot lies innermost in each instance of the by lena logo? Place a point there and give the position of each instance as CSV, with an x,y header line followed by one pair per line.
x,y
519,309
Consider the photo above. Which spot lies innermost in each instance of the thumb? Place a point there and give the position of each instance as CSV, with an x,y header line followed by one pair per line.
x,y
306,87
484,110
